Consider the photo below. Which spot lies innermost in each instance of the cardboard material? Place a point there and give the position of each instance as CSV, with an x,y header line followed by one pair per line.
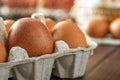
x,y
68,63
35,68
73,63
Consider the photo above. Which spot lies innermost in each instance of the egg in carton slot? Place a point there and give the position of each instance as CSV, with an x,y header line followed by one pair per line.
x,y
66,62
21,67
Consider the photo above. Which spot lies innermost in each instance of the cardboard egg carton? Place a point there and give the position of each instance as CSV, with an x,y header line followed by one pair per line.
x,y
66,62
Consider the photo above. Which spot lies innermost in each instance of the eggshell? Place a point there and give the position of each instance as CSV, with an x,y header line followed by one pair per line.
x,y
32,35
8,23
57,4
70,33
97,28
50,23
115,28
21,3
3,53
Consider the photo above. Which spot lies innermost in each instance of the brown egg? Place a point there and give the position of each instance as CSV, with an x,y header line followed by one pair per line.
x,y
3,53
70,33
97,28
115,28
50,23
32,35
8,23
56,4
65,4
1,2
21,3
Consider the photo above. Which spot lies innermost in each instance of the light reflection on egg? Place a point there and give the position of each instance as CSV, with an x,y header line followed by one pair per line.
x,y
115,28
8,23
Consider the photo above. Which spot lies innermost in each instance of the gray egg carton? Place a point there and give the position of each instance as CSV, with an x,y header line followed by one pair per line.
x,y
67,63
73,63
64,62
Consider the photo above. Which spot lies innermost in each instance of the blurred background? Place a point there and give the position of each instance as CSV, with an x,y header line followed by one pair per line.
x,y
94,16
20,8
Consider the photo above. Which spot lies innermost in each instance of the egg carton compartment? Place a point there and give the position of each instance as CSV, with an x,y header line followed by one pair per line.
x,y
68,63
5,69
73,63
21,67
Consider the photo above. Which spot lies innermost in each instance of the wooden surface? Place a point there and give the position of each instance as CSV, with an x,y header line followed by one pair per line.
x,y
104,64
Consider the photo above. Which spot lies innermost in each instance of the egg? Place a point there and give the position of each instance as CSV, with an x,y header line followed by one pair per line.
x,y
115,28
1,2
32,35
65,4
21,3
97,28
8,23
70,33
3,53
50,23
57,4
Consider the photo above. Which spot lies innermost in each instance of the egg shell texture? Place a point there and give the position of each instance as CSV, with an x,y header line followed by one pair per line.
x,y
115,28
70,33
3,53
31,35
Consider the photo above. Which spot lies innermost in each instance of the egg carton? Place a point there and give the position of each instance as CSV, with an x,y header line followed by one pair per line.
x,y
66,62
